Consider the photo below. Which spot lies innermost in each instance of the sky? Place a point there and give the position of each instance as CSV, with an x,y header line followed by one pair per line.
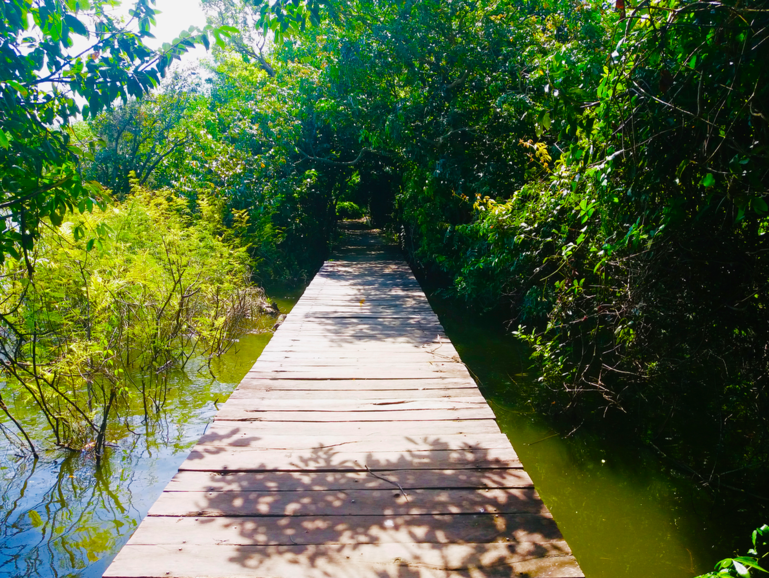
x,y
175,16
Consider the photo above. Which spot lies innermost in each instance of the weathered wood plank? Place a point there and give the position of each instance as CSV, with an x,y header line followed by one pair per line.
x,y
366,359
257,394
290,346
356,372
362,384
317,530
361,429
356,319
385,502
204,458
356,405
376,366
195,481
237,412
344,561
234,436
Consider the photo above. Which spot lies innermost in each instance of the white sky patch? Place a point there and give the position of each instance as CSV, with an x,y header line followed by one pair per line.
x,y
176,16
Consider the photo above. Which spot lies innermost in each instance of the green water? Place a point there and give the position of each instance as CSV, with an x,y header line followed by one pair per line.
x,y
624,513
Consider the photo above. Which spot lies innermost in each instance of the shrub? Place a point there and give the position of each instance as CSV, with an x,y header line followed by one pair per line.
x,y
348,210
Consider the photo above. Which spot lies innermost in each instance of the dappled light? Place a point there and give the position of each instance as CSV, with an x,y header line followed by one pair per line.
x,y
586,179
328,462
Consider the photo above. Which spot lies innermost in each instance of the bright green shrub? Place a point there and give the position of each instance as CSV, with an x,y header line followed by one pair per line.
x,y
118,298
348,210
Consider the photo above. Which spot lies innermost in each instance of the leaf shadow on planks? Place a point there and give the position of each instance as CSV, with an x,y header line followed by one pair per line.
x,y
365,516
355,325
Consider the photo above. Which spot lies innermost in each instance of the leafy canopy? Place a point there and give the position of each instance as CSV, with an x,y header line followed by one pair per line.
x,y
60,60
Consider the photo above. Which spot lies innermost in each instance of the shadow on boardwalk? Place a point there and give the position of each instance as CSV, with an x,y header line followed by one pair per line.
x,y
438,509
357,447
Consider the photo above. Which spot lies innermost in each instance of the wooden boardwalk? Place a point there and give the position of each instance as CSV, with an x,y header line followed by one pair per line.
x,y
358,446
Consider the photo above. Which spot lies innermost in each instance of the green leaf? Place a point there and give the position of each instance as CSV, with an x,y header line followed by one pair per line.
x,y
56,218
89,245
76,26
750,562
708,180
760,206
741,570
4,140
35,519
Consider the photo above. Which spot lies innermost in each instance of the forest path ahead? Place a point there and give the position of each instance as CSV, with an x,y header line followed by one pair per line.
x,y
358,446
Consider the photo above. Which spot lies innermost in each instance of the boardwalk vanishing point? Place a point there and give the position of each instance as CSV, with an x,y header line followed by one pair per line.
x,y
358,446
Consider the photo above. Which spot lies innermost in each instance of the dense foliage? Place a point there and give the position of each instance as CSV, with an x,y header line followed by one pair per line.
x,y
348,210
595,174
119,298
59,60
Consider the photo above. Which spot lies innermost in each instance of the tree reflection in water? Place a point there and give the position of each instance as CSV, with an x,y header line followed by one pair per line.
x,y
63,516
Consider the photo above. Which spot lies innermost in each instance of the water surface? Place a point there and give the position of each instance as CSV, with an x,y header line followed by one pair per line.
x,y
624,512
62,516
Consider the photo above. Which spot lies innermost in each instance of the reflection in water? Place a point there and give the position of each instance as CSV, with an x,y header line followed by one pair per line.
x,y
61,516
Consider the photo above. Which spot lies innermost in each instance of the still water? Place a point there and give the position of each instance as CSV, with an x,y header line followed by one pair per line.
x,y
62,517
622,511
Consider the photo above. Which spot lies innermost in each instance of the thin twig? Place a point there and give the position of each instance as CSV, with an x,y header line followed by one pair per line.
x,y
405,495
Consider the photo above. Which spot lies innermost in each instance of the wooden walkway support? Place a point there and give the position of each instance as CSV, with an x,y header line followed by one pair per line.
x,y
358,446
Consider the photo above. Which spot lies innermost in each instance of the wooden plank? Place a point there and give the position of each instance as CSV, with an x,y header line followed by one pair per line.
x,y
356,405
290,346
350,316
238,412
393,338
385,502
372,364
361,316
344,358
360,429
386,334
379,369
274,383
327,340
235,437
360,301
495,560
258,394
342,349
354,324
202,481
204,458
367,307
343,316
317,530
343,285
472,528
359,373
